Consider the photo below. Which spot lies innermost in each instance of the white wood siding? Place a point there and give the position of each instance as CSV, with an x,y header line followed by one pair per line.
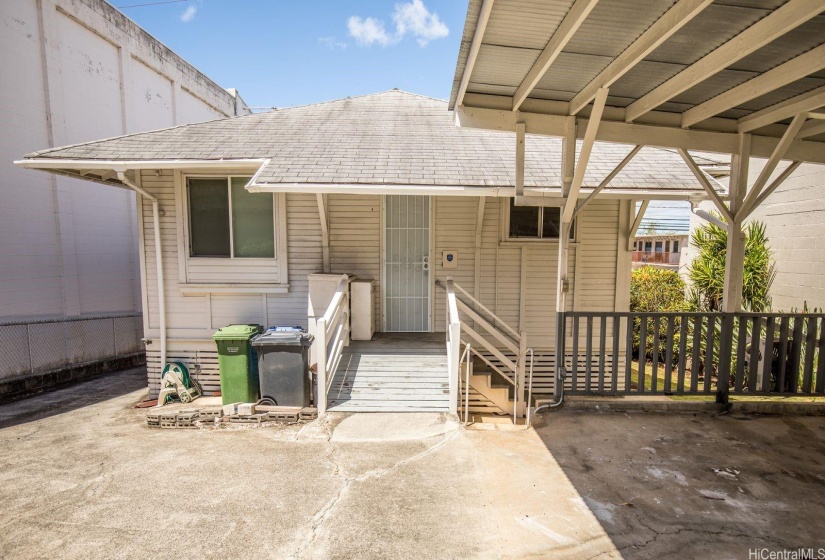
x,y
517,280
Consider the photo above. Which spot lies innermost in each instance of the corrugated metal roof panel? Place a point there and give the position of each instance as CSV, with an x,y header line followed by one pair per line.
x,y
807,36
716,25
781,94
525,23
504,66
614,24
713,86
644,77
571,72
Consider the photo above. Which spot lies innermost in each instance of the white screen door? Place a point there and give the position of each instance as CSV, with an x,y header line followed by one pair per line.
x,y
407,263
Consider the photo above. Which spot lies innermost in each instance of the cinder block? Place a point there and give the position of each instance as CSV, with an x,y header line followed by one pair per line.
x,y
246,409
153,418
248,419
187,419
169,420
209,414
282,417
308,413
230,409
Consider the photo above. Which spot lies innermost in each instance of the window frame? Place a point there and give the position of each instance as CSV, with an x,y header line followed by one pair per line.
x,y
228,178
505,210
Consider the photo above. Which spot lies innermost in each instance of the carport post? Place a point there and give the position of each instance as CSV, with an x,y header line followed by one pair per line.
x,y
734,265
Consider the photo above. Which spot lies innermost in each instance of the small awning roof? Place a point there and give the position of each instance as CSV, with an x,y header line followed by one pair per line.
x,y
686,74
387,139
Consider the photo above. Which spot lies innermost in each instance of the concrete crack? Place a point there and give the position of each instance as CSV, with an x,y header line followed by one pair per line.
x,y
326,510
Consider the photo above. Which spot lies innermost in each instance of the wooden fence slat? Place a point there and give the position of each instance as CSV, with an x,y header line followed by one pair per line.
x,y
668,355
796,354
654,372
820,366
628,361
753,362
742,339
695,357
810,349
709,352
784,326
588,356
574,365
614,375
602,348
642,352
767,356
683,334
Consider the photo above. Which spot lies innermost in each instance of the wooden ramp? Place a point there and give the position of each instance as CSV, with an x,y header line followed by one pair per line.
x,y
394,372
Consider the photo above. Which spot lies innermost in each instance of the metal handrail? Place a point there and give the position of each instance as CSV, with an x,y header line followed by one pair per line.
x,y
467,354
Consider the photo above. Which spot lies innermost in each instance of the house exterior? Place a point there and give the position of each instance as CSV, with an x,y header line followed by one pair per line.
x,y
661,250
81,70
382,187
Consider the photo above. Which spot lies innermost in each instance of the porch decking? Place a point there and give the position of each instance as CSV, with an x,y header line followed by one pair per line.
x,y
394,372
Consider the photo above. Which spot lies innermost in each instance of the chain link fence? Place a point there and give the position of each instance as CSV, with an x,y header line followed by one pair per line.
x,y
46,345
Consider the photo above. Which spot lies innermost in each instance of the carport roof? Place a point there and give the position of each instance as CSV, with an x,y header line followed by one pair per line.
x,y
681,73
389,138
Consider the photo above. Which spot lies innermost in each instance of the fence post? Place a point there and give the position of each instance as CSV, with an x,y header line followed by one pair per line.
x,y
521,366
560,343
321,365
725,350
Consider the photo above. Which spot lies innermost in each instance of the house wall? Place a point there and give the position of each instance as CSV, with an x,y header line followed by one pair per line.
x,y
516,279
794,216
79,70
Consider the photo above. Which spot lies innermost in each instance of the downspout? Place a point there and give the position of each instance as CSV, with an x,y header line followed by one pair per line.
x,y
121,175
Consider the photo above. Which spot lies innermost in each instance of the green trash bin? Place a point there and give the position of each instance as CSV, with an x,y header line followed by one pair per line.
x,y
238,363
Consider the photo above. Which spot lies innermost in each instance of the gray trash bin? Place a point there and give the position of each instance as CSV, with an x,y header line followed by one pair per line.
x,y
283,366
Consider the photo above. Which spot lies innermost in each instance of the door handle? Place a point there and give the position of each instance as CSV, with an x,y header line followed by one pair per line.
x,y
426,263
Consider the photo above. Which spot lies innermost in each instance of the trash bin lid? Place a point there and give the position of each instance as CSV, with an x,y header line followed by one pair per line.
x,y
237,332
283,338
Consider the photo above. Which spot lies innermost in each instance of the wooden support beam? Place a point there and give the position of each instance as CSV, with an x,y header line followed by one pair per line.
x,y
634,227
773,161
800,104
705,181
606,180
520,159
324,219
664,27
813,128
795,69
584,155
747,210
475,46
664,134
482,201
735,251
567,28
777,23
568,154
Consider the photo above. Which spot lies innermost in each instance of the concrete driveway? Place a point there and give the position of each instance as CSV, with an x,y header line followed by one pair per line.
x,y
81,476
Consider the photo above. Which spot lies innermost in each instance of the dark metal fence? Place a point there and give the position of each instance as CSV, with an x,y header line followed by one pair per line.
x,y
695,353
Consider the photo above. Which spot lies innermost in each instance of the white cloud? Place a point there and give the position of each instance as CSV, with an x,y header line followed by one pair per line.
x,y
331,43
415,18
188,14
410,18
368,31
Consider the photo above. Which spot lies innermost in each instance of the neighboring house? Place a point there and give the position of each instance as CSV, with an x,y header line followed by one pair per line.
x,y
74,71
384,187
662,250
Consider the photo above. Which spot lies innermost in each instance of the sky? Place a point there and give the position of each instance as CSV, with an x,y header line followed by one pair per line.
x,y
280,53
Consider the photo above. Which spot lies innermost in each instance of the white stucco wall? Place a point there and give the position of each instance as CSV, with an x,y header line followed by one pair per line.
x,y
794,216
74,71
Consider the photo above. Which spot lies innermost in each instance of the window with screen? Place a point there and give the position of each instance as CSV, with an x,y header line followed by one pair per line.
x,y
227,221
532,222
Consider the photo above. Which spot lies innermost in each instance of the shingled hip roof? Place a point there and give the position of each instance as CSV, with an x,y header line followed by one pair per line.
x,y
389,138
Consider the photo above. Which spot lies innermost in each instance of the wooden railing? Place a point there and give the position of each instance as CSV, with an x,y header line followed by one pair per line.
x,y
332,336
695,353
499,341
